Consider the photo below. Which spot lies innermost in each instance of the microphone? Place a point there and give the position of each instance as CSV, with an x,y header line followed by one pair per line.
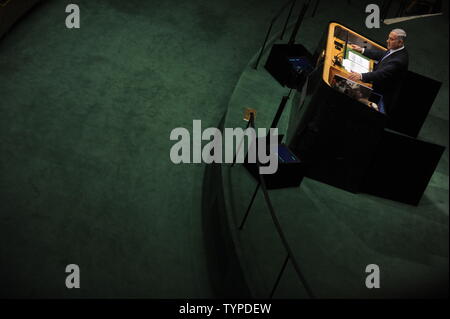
x,y
346,43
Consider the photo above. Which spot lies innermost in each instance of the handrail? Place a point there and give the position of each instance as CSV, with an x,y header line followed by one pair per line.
x,y
292,2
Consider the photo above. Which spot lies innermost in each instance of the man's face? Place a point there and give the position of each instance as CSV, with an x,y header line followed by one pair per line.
x,y
393,42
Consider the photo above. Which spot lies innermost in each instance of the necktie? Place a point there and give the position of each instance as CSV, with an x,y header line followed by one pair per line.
x,y
385,55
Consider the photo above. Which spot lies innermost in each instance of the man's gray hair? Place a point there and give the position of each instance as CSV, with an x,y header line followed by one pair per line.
x,y
401,34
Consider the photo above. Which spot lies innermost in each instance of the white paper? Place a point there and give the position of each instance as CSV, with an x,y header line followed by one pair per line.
x,y
351,66
359,60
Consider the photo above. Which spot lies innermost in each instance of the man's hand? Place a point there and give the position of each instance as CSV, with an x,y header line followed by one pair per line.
x,y
356,47
355,76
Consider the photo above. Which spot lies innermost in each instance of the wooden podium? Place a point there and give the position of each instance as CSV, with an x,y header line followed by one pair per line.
x,y
346,143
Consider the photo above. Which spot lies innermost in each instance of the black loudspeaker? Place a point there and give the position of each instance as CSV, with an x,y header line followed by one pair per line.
x,y
336,138
289,64
414,101
401,168
289,173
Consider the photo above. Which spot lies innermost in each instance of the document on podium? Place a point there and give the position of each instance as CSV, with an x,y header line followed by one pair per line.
x,y
356,63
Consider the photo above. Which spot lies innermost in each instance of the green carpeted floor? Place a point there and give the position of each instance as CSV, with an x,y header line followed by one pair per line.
x,y
85,118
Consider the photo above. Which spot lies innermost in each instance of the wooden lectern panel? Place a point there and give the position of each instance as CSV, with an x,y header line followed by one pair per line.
x,y
338,33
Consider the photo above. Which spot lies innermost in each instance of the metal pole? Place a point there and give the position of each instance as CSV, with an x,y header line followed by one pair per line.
x,y
276,222
315,9
249,206
298,23
280,110
274,124
279,276
240,144
264,45
283,238
287,19
251,123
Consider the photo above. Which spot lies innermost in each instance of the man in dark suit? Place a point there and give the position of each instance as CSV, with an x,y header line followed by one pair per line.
x,y
388,72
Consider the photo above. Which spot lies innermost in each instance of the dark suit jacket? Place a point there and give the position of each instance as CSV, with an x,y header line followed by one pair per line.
x,y
387,75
